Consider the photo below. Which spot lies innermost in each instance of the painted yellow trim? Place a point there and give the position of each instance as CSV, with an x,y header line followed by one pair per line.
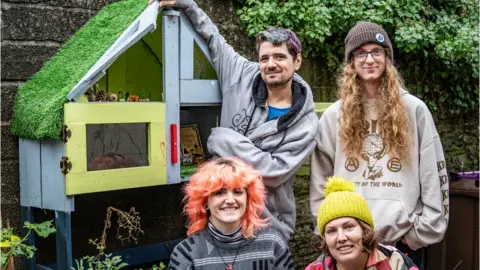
x,y
157,144
322,106
114,112
97,181
78,115
76,148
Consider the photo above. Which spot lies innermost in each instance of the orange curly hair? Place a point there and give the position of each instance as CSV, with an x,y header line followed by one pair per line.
x,y
393,119
230,173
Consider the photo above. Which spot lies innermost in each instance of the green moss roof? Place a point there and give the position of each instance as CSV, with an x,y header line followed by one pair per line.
x,y
38,109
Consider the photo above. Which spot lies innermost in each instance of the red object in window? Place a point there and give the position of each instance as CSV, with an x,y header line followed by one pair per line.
x,y
174,142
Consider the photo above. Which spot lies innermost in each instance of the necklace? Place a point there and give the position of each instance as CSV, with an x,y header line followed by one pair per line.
x,y
228,266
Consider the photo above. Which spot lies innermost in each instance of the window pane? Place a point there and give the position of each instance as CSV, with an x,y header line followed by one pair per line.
x,y
201,67
114,146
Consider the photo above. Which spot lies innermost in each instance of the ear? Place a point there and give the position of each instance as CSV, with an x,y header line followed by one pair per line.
x,y
298,62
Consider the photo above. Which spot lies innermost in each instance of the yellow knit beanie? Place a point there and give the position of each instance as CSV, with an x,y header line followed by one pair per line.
x,y
342,201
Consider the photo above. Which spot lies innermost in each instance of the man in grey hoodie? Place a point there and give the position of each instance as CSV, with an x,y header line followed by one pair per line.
x,y
267,116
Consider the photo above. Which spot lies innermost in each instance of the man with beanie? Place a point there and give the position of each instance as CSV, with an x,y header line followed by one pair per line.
x,y
385,141
348,240
267,116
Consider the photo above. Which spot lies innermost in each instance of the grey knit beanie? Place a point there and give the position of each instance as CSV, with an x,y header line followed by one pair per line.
x,y
363,33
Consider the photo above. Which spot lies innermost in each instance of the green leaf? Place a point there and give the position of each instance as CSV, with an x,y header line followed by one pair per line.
x,y
43,229
3,258
6,233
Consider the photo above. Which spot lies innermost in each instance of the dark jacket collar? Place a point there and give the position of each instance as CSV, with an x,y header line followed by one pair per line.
x,y
299,96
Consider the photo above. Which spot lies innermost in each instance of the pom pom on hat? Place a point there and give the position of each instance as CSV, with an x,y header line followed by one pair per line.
x,y
336,183
342,201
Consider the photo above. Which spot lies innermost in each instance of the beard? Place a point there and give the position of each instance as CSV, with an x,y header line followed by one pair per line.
x,y
278,83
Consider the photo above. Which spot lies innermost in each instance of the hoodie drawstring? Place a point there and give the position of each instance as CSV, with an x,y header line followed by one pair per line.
x,y
271,150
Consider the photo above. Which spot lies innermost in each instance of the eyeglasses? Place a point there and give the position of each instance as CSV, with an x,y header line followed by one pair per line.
x,y
361,56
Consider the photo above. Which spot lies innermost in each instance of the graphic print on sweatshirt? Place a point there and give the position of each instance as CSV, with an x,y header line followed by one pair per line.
x,y
373,152
240,123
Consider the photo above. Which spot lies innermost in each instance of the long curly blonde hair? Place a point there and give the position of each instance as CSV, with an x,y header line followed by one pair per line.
x,y
392,117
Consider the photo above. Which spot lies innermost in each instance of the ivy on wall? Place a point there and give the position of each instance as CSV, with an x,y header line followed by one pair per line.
x,y
436,42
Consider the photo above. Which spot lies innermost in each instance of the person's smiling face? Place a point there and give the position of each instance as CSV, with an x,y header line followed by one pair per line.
x,y
277,65
369,62
227,208
344,239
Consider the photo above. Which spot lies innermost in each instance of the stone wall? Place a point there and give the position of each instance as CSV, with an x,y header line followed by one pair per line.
x,y
33,30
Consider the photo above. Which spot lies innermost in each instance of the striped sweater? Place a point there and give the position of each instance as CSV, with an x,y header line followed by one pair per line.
x,y
266,251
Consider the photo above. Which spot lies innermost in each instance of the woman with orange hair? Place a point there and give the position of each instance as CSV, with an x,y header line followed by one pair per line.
x,y
224,202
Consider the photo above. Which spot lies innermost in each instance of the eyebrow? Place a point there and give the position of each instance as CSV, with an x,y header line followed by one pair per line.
x,y
275,54
365,50
224,188
343,224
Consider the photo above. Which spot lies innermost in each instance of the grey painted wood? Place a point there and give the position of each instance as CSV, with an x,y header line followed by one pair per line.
x,y
202,43
53,181
30,173
186,52
200,92
171,86
63,223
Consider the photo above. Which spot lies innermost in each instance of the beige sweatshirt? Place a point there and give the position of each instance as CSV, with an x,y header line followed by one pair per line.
x,y
406,199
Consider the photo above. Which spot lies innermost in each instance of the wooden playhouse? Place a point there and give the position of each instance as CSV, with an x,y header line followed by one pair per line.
x,y
105,112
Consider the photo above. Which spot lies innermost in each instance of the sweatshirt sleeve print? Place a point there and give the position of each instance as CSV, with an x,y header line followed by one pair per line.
x,y
227,63
276,167
430,227
322,162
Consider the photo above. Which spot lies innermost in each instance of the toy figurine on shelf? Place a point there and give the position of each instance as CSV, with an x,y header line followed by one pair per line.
x,y
133,98
120,96
101,96
112,97
142,96
90,94
149,96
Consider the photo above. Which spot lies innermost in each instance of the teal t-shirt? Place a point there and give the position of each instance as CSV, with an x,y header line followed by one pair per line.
x,y
276,112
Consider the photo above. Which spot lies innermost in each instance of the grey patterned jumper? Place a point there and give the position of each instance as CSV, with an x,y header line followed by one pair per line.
x,y
266,251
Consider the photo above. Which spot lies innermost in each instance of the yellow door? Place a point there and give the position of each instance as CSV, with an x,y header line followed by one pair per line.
x,y
114,145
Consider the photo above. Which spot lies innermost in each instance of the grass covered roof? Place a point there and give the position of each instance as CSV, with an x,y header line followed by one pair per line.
x,y
38,109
